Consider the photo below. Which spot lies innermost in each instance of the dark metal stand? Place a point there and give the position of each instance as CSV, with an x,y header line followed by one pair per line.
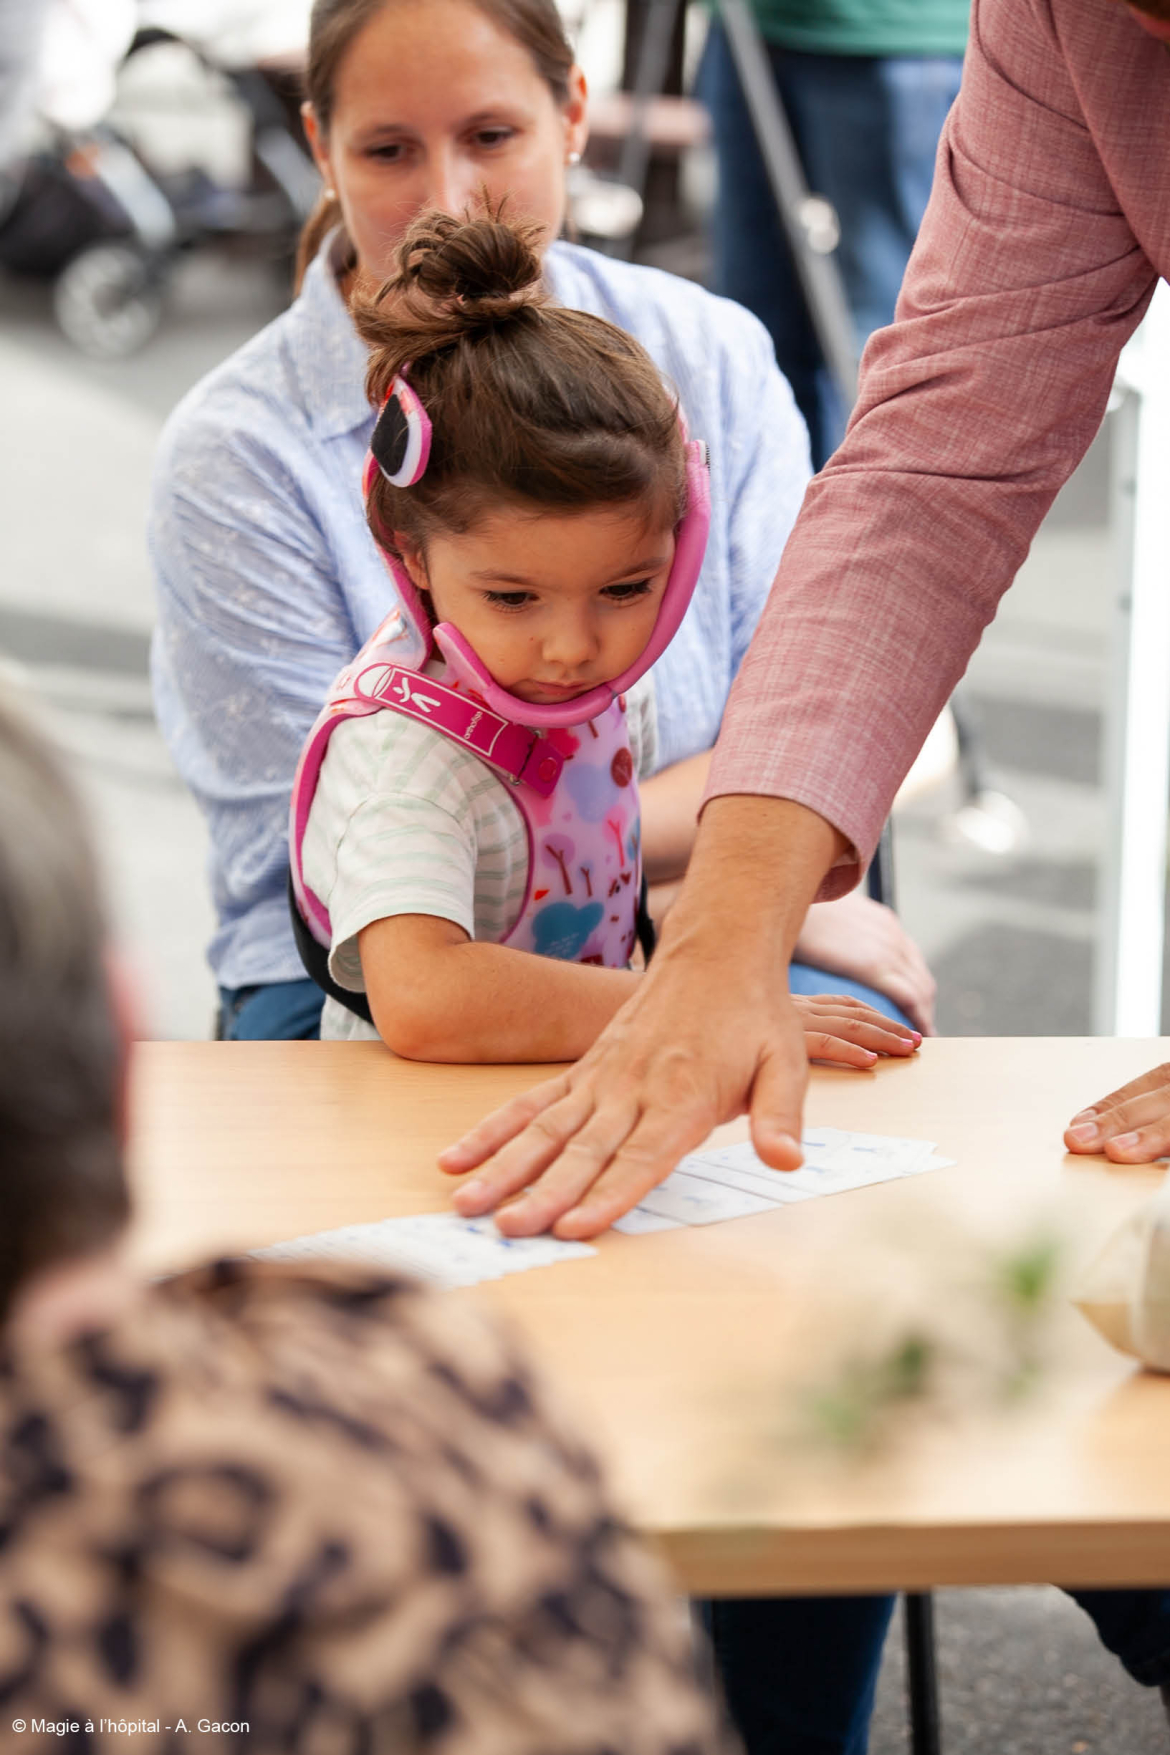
x,y
922,1675
652,59
801,216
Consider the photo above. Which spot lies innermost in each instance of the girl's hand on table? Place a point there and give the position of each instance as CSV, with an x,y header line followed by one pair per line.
x,y
867,942
848,1032
1131,1125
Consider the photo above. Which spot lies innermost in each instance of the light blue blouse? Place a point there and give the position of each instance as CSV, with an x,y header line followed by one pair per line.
x,y
268,580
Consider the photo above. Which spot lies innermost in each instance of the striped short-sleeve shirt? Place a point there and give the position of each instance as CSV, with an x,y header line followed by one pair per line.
x,y
406,822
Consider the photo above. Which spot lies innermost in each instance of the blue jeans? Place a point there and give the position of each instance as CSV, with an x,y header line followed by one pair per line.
x,y
804,979
799,1673
278,1011
867,129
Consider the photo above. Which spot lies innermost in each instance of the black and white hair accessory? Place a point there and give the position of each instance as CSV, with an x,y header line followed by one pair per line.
x,y
401,442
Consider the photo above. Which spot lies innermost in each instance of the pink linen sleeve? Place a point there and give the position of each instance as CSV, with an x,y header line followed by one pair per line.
x,y
975,405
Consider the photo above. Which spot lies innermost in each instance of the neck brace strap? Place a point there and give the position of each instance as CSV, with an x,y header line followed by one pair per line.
x,y
690,546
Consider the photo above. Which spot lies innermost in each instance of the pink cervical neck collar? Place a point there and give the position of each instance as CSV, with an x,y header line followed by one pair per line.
x,y
690,545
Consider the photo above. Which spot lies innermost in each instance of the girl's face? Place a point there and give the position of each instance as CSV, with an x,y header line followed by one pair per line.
x,y
433,103
553,604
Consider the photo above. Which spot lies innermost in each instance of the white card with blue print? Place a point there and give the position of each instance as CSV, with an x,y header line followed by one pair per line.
x,y
731,1182
442,1248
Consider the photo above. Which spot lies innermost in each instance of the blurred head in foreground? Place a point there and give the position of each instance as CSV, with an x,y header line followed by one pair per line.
x,y
62,1190
175,1547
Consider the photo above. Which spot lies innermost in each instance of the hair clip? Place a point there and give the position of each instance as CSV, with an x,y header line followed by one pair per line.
x,y
401,441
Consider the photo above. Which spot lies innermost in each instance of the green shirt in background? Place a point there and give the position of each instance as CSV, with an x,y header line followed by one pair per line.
x,y
866,27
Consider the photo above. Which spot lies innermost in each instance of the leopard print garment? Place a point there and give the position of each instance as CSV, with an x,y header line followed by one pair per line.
x,y
330,1508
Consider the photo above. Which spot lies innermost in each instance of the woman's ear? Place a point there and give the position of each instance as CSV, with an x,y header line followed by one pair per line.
x,y
576,113
316,140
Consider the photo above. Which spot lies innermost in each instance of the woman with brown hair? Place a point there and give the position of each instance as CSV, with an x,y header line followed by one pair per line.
x,y
268,578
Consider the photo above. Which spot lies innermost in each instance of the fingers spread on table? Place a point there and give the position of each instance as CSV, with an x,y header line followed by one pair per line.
x,y
523,1156
652,1147
568,1189
502,1125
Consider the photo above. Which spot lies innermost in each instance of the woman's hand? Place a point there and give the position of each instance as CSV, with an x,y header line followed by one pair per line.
x,y
850,1033
1130,1125
867,942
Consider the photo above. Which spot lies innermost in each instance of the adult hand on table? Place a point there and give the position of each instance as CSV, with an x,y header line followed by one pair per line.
x,y
711,1032
1130,1125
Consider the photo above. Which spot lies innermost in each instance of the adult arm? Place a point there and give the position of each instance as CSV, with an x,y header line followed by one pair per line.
x,y
974,408
853,937
252,629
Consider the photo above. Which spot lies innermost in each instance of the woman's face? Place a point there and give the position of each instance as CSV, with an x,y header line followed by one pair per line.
x,y
432,104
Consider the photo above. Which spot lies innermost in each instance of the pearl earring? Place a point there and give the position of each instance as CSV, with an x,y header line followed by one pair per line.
x,y
574,158
330,192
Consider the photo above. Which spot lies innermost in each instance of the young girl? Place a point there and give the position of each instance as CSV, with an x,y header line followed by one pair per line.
x,y
464,833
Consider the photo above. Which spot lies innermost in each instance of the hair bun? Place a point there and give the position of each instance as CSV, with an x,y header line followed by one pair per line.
x,y
475,270
456,281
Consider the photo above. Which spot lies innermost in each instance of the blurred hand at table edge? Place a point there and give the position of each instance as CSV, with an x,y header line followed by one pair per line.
x,y
711,1032
1131,1125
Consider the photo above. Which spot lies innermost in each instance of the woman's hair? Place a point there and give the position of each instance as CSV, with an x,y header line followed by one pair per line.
x,y
529,402
62,1189
535,24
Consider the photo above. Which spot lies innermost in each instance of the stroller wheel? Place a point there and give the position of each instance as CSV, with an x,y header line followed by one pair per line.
x,y
108,300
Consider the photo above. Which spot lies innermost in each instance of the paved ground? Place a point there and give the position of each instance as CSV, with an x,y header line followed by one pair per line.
x,y
1011,938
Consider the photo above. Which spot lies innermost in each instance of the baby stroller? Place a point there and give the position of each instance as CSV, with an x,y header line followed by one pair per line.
x,y
88,214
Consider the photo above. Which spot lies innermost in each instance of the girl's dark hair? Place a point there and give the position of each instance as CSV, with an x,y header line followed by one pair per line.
x,y
528,401
535,24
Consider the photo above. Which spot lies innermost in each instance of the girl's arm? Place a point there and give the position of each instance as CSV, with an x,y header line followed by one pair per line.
x,y
437,995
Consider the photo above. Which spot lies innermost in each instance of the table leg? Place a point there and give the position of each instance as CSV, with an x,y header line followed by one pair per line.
x,y
921,1675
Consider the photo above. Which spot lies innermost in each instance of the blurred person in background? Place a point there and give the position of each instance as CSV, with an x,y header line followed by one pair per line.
x,y
866,86
268,579
175,1547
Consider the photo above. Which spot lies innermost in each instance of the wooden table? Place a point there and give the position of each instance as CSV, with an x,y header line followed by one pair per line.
x,y
683,1349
